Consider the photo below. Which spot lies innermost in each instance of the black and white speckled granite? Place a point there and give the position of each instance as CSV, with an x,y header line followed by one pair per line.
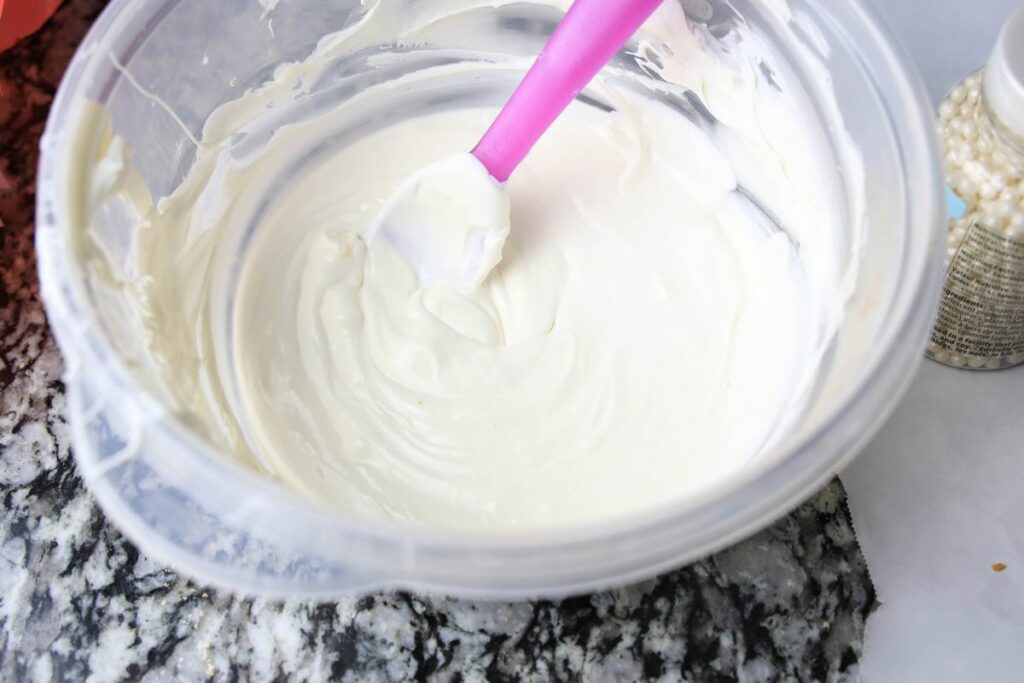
x,y
78,601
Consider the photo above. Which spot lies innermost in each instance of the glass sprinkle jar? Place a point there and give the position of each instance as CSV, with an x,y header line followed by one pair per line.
x,y
981,132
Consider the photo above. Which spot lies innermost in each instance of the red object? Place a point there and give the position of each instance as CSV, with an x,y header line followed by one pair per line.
x,y
19,18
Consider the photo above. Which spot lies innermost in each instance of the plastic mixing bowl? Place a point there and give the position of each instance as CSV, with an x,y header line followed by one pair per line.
x,y
161,66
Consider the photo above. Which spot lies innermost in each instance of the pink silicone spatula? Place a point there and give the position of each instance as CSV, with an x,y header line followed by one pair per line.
x,y
585,40
450,219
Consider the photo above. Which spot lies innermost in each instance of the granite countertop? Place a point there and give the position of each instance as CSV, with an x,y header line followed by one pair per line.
x,y
79,601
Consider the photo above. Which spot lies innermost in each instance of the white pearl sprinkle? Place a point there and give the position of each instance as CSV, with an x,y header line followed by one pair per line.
x,y
1015,227
966,188
1004,209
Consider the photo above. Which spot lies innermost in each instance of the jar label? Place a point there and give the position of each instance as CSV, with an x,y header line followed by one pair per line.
x,y
982,309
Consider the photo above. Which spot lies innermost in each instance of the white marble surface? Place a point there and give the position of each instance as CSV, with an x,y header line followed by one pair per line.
x,y
936,502
931,539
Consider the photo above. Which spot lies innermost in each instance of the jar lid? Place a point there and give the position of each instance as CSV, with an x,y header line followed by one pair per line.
x,y
1004,76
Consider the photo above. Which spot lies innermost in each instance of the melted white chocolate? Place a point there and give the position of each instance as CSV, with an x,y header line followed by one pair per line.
x,y
651,326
